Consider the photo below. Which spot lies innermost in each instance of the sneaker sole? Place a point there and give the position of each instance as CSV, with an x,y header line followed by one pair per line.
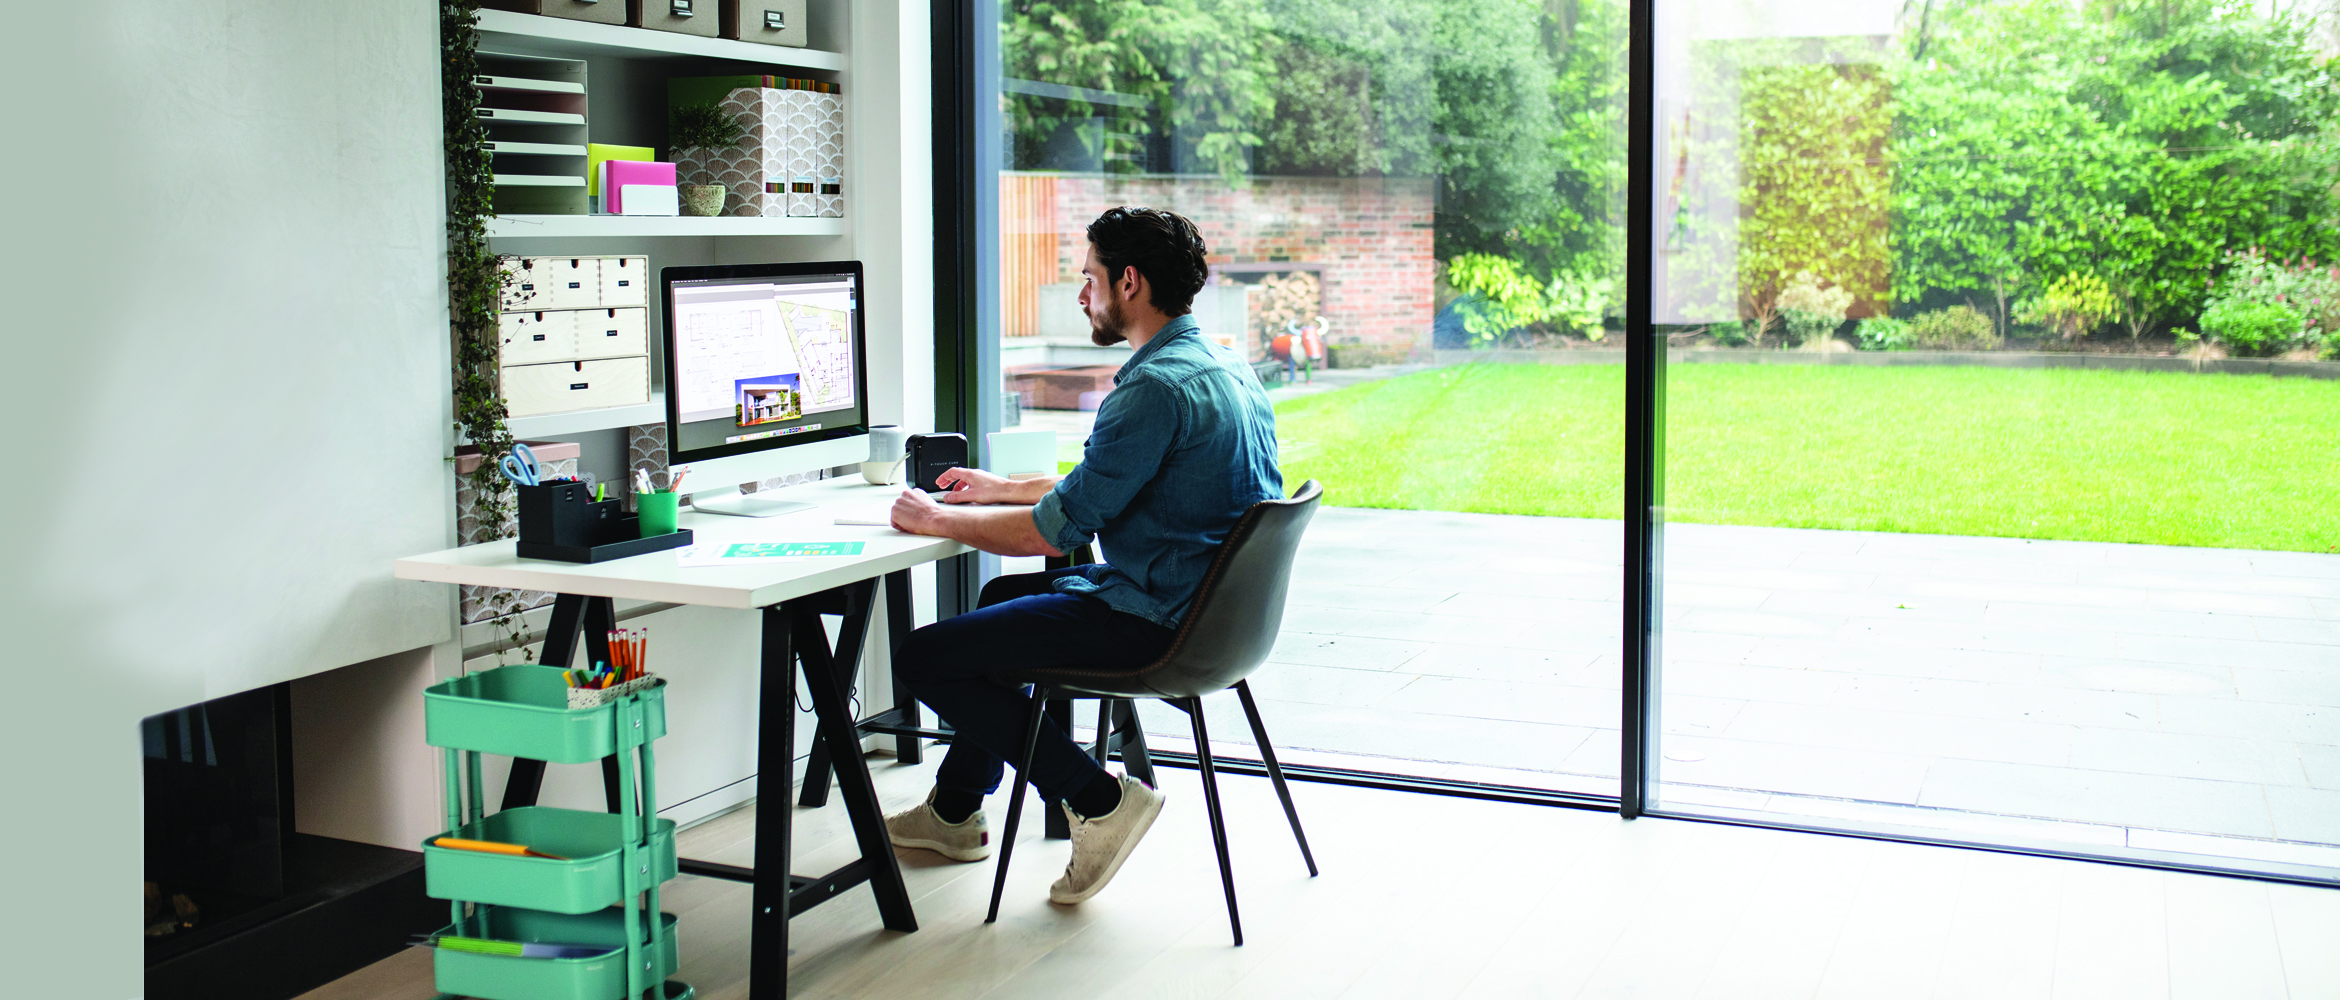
x,y
955,854
1113,868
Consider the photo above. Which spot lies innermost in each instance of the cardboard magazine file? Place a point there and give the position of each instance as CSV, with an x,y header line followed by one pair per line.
x,y
755,171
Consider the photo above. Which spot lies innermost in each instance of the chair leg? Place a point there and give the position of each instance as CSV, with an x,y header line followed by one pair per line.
x,y
1267,755
1053,825
1007,844
1210,783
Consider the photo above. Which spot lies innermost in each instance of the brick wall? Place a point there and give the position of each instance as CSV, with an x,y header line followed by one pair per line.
x,y
1372,235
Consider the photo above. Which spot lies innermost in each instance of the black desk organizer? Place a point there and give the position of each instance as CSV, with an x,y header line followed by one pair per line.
x,y
562,521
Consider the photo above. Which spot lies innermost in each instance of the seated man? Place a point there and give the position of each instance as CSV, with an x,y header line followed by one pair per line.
x,y
1184,444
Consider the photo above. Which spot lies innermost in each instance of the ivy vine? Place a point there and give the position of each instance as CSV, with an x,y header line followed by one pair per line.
x,y
475,284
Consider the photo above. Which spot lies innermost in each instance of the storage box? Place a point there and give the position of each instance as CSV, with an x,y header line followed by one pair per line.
x,y
575,282
604,11
625,281
690,17
576,385
527,284
611,333
539,337
772,22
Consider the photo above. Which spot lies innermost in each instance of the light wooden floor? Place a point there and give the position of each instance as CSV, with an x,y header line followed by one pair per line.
x,y
1425,897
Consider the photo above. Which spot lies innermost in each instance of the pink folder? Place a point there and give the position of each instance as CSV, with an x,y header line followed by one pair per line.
x,y
616,174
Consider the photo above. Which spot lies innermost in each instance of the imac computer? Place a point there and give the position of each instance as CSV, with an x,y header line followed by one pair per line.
x,y
764,377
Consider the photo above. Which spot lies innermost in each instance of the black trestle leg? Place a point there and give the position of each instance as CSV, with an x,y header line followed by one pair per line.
x,y
1267,755
1133,742
1007,843
1210,783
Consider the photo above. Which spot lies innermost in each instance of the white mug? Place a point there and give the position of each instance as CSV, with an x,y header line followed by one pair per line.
x,y
882,473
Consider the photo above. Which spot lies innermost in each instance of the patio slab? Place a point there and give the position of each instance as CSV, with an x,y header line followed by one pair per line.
x,y
2110,690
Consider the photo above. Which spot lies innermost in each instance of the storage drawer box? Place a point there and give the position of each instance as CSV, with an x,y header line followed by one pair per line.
x,y
526,285
530,390
576,282
624,281
604,11
773,22
690,17
537,337
611,333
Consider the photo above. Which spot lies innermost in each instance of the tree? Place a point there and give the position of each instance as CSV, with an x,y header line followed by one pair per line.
x,y
2136,142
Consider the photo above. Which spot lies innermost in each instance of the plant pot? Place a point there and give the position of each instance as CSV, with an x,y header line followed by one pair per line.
x,y
702,199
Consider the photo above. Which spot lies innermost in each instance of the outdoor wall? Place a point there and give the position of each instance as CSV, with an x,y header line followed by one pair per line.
x,y
1371,235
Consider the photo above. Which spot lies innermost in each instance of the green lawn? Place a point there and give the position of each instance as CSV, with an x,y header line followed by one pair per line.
x,y
2231,461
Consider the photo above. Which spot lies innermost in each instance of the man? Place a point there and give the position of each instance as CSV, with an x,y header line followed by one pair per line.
x,y
1184,445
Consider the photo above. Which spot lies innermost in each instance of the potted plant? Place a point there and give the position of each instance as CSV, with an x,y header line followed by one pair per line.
x,y
702,131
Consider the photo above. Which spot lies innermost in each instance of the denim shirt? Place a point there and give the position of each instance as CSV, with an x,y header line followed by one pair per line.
x,y
1183,445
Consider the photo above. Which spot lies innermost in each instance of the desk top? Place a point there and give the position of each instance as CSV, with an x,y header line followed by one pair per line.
x,y
654,576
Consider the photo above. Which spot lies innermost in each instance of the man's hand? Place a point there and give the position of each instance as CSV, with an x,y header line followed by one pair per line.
x,y
965,485
1006,531
918,514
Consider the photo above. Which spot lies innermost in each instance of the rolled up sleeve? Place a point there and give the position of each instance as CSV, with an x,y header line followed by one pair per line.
x,y
1135,428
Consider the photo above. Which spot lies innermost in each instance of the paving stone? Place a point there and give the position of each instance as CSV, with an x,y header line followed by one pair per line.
x,y
2158,802
2185,755
1902,732
2289,687
2101,674
2132,620
2311,815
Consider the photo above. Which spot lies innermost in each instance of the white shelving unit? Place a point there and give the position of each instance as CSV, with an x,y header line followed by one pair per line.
x,y
505,30
537,226
627,68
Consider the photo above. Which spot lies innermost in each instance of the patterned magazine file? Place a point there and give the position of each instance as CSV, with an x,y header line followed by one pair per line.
x,y
756,170
829,197
803,150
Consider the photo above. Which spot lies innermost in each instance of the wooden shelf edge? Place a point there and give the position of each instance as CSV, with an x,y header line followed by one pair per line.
x,y
564,36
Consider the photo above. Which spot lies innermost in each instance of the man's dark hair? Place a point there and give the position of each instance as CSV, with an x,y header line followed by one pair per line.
x,y
1163,246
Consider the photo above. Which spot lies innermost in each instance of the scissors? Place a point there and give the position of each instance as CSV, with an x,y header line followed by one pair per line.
x,y
520,466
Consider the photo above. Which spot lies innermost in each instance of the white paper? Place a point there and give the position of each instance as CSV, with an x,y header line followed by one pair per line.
x,y
650,199
712,555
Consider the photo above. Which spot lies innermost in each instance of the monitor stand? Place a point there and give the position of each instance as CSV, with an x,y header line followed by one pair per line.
x,y
738,505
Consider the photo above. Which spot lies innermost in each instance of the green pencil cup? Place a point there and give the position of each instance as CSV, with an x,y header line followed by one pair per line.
x,y
657,511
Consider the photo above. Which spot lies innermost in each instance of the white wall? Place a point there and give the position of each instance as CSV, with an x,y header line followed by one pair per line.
x,y
226,391
226,382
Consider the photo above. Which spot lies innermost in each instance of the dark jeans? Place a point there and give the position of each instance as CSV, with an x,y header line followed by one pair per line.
x,y
1020,624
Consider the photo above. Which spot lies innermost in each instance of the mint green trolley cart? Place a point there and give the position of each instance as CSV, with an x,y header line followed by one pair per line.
x,y
601,889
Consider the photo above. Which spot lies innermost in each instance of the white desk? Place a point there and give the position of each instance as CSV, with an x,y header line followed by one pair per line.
x,y
793,594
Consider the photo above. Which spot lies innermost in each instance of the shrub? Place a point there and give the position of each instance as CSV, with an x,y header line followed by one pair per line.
x,y
2072,306
1879,333
2251,329
1811,313
1958,328
2301,285
1509,298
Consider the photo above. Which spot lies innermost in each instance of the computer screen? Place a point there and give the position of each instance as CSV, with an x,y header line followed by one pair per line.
x,y
762,356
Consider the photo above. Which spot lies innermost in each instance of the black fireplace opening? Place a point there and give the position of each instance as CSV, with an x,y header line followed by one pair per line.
x,y
237,902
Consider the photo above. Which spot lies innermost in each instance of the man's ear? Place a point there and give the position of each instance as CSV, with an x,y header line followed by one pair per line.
x,y
1130,283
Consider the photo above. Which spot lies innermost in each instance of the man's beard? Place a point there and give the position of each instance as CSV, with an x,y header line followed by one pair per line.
x,y
1108,331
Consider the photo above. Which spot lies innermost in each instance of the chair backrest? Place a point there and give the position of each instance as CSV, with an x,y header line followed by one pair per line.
x,y
1232,624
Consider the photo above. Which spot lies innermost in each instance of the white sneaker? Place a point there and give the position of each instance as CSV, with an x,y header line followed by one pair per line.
x,y
1100,845
966,840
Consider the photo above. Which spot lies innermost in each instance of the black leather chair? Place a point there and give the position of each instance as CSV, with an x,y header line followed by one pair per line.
x,y
1226,634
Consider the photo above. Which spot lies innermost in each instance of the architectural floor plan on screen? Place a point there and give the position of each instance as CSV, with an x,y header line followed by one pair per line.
x,y
768,355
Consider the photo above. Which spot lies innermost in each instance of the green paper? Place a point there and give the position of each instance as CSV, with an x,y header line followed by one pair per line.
x,y
781,550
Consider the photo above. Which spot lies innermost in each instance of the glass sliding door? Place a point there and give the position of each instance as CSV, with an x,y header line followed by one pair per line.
x,y
1997,433
1413,211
